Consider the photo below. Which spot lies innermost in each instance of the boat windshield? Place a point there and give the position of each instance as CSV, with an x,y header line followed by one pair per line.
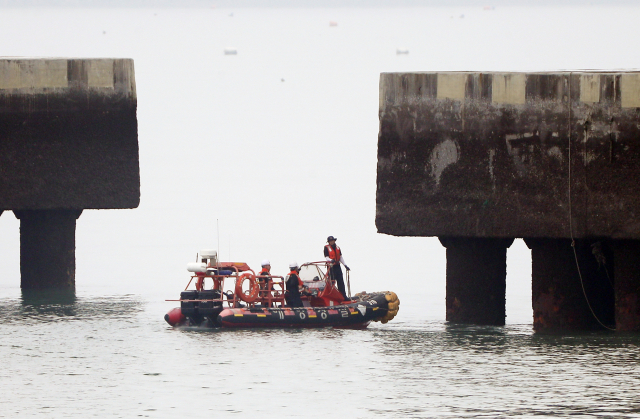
x,y
312,271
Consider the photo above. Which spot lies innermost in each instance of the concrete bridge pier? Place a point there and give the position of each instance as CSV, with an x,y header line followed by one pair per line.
x,y
549,157
68,142
47,248
568,295
476,279
627,284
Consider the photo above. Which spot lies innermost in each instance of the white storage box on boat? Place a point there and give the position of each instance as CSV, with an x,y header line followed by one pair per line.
x,y
208,254
196,267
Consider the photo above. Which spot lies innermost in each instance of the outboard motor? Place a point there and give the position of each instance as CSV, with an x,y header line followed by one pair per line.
x,y
188,307
209,309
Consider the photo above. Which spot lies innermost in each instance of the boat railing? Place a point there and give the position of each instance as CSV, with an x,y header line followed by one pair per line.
x,y
218,284
269,296
273,292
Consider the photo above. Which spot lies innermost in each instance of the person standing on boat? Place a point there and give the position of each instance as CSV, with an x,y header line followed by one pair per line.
x,y
294,285
266,271
333,254
264,282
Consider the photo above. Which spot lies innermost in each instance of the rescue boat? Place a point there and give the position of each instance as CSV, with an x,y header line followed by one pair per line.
x,y
231,295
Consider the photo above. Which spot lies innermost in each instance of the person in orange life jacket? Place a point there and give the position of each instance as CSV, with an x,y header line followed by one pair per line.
x,y
266,271
294,285
333,254
264,282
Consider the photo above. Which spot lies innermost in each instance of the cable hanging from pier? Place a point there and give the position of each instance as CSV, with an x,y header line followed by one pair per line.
x,y
573,242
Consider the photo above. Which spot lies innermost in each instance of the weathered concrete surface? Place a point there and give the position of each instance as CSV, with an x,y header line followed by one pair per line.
x,y
544,156
47,248
68,142
476,279
68,134
627,284
558,298
489,155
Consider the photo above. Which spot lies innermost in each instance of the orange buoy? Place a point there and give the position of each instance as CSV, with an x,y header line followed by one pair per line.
x,y
254,288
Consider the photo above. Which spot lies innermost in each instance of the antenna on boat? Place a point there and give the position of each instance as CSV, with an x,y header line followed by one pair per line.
x,y
197,257
218,231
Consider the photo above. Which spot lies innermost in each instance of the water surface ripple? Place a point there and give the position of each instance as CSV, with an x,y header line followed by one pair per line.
x,y
114,357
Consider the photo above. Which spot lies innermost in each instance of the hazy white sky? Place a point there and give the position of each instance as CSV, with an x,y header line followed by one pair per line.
x,y
302,3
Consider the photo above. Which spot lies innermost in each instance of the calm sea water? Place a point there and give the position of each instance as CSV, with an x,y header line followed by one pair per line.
x,y
262,155
112,356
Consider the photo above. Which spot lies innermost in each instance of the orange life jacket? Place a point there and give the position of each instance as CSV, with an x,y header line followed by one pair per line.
x,y
334,254
264,272
296,274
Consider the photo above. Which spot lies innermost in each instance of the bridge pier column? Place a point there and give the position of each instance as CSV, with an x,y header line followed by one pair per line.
x,y
558,291
476,279
47,248
627,284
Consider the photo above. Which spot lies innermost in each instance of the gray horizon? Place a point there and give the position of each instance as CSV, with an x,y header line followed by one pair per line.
x,y
303,3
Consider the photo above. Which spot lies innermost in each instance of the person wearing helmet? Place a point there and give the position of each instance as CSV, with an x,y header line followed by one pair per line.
x,y
333,255
264,278
294,286
266,270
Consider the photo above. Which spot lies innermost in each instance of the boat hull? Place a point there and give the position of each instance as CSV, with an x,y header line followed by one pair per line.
x,y
355,315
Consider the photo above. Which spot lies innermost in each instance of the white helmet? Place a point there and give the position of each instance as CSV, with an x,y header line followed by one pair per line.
x,y
265,262
293,265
